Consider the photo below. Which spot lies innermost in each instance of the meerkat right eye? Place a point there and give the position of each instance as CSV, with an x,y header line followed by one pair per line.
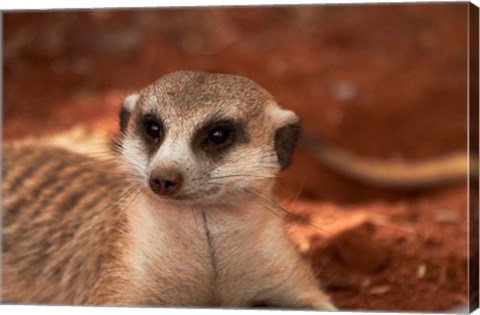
x,y
152,128
219,135
216,137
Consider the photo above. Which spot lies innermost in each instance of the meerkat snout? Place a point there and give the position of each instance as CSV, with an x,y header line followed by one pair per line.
x,y
165,182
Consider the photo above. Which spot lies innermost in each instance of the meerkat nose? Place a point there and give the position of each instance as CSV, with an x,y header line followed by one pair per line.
x,y
165,182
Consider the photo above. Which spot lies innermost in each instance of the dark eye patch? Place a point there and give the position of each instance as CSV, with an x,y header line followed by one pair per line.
x,y
220,136
215,138
151,130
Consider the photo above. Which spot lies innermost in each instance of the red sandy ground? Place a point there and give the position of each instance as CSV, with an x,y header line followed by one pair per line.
x,y
385,81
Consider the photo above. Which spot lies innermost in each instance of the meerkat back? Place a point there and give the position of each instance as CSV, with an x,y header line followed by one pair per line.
x,y
60,225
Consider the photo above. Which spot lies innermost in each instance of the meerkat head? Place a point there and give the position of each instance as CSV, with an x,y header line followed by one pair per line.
x,y
199,136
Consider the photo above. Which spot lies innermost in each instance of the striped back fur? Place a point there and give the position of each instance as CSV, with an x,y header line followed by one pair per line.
x,y
61,226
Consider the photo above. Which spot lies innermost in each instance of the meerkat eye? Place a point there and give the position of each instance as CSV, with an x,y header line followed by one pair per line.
x,y
153,128
220,135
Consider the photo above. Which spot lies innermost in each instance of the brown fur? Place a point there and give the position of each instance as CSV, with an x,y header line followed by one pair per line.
x,y
62,227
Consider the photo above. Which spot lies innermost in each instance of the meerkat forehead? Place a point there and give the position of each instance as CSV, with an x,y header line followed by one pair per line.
x,y
194,95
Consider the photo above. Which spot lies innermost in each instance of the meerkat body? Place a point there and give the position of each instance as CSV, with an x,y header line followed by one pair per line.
x,y
182,215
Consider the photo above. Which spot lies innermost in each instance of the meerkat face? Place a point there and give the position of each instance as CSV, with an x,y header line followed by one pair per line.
x,y
194,136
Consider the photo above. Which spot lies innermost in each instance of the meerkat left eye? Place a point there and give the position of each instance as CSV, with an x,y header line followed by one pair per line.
x,y
153,128
220,135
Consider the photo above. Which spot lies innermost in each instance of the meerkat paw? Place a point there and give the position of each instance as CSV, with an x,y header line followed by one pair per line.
x,y
314,301
326,306
317,301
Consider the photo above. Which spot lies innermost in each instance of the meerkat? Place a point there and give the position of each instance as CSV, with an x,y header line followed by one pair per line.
x,y
182,214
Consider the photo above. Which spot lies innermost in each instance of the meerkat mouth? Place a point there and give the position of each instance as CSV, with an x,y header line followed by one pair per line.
x,y
208,196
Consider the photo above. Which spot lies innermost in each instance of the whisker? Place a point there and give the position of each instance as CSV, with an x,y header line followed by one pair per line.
x,y
277,206
256,198
241,175
297,194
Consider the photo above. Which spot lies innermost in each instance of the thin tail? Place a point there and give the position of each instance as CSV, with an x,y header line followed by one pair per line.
x,y
394,174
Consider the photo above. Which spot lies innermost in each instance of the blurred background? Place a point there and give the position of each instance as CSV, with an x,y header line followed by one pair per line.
x,y
381,81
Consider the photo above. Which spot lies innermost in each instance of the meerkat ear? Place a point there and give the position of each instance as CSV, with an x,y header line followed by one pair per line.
x,y
128,106
286,135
